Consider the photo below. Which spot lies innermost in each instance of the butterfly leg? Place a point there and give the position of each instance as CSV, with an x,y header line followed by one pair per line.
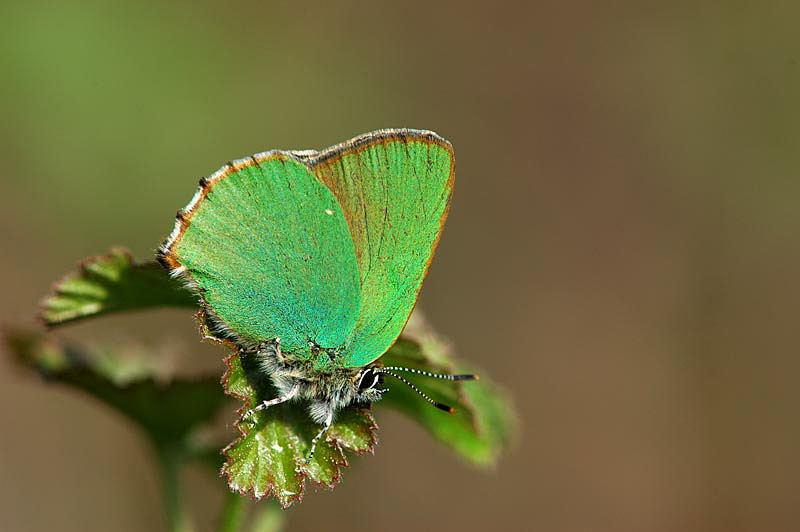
x,y
325,427
270,402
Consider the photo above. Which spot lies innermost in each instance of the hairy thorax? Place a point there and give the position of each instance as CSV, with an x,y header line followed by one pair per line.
x,y
327,389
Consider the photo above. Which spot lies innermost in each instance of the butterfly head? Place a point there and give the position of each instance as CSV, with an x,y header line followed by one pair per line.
x,y
367,385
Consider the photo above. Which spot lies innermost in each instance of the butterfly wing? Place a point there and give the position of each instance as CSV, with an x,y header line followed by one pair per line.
x,y
394,187
268,248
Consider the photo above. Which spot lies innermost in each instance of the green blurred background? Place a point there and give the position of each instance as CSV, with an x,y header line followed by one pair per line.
x,y
621,251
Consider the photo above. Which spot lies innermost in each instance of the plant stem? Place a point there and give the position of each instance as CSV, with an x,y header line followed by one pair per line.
x,y
233,513
170,459
269,518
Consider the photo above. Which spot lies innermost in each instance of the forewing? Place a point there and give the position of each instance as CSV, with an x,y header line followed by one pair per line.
x,y
268,248
394,187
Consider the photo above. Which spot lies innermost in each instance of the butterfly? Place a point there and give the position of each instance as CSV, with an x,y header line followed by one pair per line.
x,y
313,260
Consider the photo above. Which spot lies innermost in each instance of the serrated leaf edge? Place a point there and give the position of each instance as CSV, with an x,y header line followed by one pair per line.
x,y
302,474
82,268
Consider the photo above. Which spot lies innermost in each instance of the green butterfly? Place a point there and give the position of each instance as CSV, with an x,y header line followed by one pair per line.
x,y
313,261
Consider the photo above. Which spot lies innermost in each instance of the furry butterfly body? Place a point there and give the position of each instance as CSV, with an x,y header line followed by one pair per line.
x,y
312,261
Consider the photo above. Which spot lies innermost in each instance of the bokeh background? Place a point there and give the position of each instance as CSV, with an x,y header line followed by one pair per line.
x,y
621,252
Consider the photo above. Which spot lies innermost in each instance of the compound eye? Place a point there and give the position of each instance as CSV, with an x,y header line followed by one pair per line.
x,y
368,380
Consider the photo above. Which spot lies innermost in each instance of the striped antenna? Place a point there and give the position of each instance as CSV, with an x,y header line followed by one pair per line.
x,y
440,406
435,375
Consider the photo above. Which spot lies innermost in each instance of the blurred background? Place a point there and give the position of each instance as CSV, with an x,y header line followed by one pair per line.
x,y
621,251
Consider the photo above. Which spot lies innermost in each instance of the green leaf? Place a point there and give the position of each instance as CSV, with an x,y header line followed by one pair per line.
x,y
269,457
170,413
484,422
167,411
111,283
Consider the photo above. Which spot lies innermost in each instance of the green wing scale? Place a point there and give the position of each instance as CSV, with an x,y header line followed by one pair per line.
x,y
327,247
395,189
268,248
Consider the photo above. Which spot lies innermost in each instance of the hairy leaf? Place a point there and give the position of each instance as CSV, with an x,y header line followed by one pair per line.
x,y
269,457
166,411
484,421
111,283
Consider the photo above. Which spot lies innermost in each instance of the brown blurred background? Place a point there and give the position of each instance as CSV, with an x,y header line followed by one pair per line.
x,y
621,252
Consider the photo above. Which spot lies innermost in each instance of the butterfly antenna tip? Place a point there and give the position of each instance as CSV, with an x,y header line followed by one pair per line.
x,y
437,404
